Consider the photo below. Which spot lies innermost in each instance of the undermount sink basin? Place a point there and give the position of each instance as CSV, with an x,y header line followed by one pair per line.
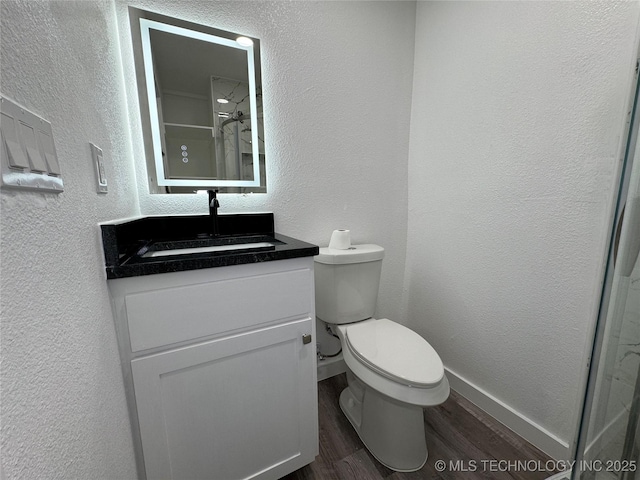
x,y
206,249
221,245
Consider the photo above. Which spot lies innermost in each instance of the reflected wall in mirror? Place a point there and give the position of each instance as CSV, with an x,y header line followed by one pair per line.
x,y
200,94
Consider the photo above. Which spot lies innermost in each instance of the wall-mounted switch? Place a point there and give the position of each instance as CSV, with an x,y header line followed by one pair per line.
x,y
16,158
27,153
98,160
36,160
46,146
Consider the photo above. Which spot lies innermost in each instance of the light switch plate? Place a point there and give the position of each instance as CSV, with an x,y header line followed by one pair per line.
x,y
28,158
101,176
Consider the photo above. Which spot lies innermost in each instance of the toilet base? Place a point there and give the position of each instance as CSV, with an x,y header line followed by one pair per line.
x,y
392,431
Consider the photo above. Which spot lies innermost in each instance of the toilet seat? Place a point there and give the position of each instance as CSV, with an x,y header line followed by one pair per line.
x,y
395,352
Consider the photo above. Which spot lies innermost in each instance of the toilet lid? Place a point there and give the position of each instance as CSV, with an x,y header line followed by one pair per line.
x,y
395,352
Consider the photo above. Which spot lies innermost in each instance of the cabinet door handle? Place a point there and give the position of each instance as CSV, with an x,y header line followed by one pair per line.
x,y
306,338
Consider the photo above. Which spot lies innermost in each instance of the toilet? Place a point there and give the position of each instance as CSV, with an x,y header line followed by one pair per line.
x,y
392,372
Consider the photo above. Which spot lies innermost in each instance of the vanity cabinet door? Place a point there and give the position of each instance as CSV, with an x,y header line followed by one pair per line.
x,y
238,407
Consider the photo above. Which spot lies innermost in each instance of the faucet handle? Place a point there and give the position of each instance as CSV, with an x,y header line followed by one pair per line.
x,y
213,200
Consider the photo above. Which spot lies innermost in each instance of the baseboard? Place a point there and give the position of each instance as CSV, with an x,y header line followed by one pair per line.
x,y
523,426
330,367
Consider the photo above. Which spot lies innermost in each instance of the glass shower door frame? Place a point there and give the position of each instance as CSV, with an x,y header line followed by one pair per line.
x,y
600,333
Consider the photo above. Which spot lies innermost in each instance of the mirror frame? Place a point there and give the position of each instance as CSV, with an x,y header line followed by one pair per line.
x,y
141,23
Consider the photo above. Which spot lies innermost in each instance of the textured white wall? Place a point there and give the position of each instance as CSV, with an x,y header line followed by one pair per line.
x,y
63,407
337,158
516,119
337,81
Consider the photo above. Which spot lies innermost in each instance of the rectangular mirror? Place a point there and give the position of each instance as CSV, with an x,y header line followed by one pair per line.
x,y
200,94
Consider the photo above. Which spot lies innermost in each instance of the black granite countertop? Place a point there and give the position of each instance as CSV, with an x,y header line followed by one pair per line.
x,y
129,244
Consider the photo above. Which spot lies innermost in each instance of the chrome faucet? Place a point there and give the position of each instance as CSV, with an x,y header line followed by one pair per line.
x,y
213,212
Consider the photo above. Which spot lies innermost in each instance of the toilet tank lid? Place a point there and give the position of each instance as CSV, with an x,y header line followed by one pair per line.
x,y
355,254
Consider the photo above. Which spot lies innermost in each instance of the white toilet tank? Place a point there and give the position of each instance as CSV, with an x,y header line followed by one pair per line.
x,y
347,283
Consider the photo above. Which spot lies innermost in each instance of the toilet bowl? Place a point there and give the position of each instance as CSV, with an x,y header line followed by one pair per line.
x,y
392,372
387,389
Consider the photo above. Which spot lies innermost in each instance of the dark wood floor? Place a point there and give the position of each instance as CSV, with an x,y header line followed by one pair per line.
x,y
457,431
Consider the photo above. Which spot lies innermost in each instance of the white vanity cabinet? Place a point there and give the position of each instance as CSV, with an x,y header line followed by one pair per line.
x,y
220,369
